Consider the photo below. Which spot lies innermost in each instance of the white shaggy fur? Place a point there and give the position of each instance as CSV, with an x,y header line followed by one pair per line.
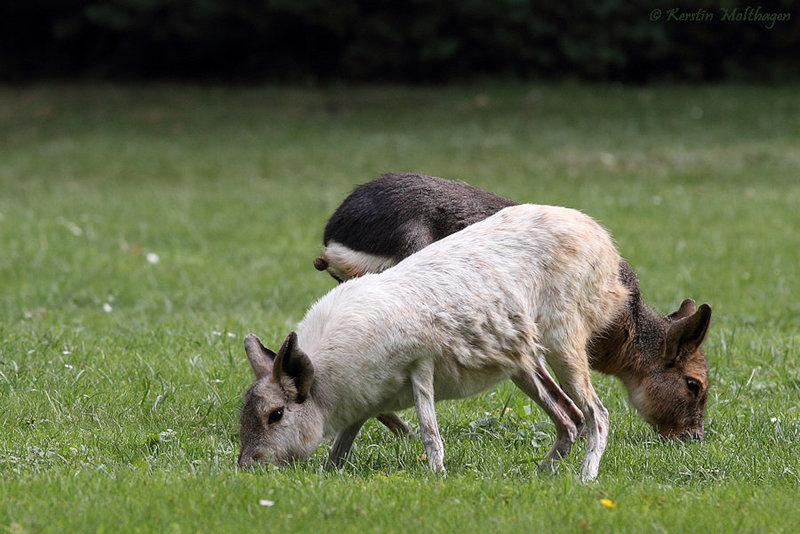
x,y
345,263
487,303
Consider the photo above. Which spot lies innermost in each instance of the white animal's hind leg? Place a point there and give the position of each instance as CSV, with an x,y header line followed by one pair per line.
x,y
572,370
342,444
422,386
539,386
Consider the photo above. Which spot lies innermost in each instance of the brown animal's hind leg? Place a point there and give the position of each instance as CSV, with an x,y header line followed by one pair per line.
x,y
396,426
539,385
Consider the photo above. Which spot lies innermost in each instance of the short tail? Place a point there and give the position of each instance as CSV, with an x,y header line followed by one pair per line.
x,y
321,263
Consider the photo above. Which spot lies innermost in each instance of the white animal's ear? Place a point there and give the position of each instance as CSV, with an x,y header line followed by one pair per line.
x,y
292,363
687,308
261,358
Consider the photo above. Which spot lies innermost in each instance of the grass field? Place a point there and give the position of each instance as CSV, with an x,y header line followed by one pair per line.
x,y
145,230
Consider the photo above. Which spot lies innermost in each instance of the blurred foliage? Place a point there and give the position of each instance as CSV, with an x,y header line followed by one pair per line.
x,y
388,40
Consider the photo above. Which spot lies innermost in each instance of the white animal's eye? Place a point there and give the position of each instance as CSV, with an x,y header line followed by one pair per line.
x,y
275,416
693,385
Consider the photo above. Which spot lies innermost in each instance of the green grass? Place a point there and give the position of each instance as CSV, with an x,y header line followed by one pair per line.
x,y
121,377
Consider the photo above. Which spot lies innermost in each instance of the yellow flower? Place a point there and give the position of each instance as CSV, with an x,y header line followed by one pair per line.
x,y
608,503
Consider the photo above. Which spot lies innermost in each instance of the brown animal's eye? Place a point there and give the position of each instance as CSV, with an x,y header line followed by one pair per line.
x,y
274,416
693,385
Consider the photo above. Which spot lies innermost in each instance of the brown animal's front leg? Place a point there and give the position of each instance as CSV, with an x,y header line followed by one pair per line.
x,y
396,426
342,444
539,385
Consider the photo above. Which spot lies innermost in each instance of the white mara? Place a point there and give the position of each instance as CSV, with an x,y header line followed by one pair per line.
x,y
493,301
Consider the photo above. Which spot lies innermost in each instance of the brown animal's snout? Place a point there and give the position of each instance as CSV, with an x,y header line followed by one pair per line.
x,y
690,434
694,434
670,406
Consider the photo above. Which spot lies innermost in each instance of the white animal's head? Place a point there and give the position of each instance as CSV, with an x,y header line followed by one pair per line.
x,y
279,421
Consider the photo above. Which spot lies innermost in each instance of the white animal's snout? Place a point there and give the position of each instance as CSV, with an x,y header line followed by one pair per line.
x,y
249,459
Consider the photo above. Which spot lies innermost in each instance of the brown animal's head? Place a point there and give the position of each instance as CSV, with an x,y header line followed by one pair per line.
x,y
279,422
670,391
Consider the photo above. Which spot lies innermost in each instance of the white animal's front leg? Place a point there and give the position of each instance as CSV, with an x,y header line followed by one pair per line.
x,y
596,421
422,386
568,420
597,437
572,369
343,443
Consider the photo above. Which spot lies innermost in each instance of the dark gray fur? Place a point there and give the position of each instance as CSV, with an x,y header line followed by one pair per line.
x,y
396,215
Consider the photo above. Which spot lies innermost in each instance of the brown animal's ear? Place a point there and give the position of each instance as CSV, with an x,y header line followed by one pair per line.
x,y
687,334
293,363
260,357
687,308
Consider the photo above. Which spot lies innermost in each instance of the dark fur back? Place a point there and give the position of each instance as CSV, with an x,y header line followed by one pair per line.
x,y
637,331
396,215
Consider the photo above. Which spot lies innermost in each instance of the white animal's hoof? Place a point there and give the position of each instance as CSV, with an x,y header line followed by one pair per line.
x,y
587,475
439,469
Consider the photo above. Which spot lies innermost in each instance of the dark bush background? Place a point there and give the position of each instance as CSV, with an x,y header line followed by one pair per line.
x,y
382,40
